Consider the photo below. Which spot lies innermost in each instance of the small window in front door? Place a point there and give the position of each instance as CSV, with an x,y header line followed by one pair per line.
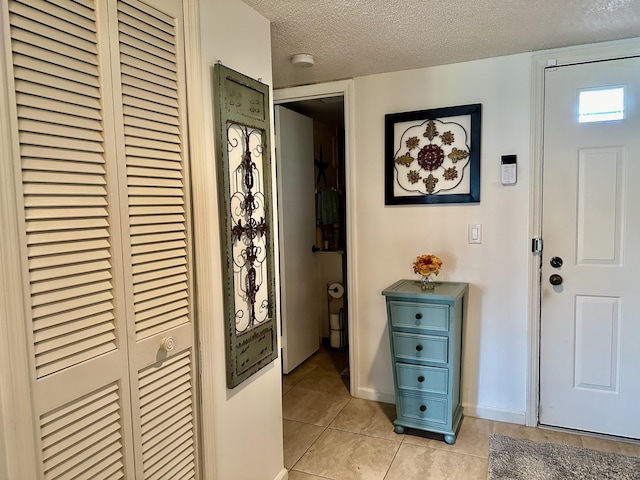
x,y
601,105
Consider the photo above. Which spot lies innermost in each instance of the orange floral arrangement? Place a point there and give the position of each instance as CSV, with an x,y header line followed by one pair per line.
x,y
425,265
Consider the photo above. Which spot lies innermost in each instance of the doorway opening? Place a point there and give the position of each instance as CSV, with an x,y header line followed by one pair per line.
x,y
331,237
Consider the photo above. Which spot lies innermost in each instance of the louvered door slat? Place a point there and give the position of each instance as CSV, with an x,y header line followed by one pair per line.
x,y
66,247
157,246
178,435
54,284
66,236
158,265
52,105
63,142
146,134
54,363
75,82
70,292
44,11
25,69
62,55
157,117
62,213
154,163
145,27
145,278
96,333
58,454
146,261
50,165
155,238
74,6
170,464
157,391
166,301
165,459
149,210
141,85
64,178
92,313
174,222
65,259
139,288
55,29
66,201
144,104
158,322
165,409
161,81
99,322
153,297
88,421
139,92
48,129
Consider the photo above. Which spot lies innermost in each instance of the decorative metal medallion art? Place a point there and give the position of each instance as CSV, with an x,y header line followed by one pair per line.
x,y
433,156
244,172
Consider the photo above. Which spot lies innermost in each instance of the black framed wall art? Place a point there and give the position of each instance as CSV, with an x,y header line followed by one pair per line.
x,y
433,156
246,222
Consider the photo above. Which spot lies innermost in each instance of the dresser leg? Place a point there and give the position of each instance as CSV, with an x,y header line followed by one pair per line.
x,y
398,429
450,439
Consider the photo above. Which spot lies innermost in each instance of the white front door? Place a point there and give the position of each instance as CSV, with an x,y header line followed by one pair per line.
x,y
296,212
590,322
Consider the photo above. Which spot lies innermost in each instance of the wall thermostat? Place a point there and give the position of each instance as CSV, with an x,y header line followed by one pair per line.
x,y
508,169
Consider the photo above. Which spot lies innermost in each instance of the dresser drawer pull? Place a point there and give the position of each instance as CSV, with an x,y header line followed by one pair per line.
x,y
420,379
419,348
418,316
423,408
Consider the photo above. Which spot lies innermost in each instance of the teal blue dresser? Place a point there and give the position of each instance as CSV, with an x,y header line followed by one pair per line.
x,y
425,331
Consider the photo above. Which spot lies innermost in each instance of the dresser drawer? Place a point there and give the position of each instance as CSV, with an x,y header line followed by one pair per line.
x,y
422,379
422,408
420,316
421,348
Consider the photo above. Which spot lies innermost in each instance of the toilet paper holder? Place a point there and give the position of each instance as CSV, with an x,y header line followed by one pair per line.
x,y
337,321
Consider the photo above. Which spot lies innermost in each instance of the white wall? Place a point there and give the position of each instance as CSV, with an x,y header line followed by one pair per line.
x,y
389,237
247,420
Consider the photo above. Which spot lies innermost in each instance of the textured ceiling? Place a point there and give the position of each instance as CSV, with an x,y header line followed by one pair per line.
x,y
351,38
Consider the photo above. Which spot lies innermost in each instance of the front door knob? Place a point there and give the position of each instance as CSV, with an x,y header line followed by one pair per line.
x,y
556,262
555,279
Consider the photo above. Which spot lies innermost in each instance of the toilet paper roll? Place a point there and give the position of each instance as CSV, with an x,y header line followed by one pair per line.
x,y
334,321
334,340
336,290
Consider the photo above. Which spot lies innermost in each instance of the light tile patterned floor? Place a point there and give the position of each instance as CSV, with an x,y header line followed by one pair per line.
x,y
332,436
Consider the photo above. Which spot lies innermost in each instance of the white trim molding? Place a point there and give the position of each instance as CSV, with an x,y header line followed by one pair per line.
x,y
201,168
540,61
344,88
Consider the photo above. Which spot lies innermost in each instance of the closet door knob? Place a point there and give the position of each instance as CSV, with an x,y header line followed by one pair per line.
x,y
419,348
167,344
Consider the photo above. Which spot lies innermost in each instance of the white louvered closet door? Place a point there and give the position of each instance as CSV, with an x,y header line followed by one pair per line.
x,y
100,98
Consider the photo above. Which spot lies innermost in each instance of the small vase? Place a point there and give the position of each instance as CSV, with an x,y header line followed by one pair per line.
x,y
428,282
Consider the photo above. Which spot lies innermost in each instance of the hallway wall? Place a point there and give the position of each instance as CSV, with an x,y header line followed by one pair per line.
x,y
247,419
390,237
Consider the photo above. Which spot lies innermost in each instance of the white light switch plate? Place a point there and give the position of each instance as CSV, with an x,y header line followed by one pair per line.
x,y
475,233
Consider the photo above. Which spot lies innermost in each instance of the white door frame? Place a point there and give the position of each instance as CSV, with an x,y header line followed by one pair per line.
x,y
345,89
540,61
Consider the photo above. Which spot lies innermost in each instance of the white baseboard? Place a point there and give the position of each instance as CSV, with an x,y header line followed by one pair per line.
x,y
283,475
497,414
375,395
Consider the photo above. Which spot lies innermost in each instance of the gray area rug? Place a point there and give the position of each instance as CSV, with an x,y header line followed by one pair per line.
x,y
515,459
